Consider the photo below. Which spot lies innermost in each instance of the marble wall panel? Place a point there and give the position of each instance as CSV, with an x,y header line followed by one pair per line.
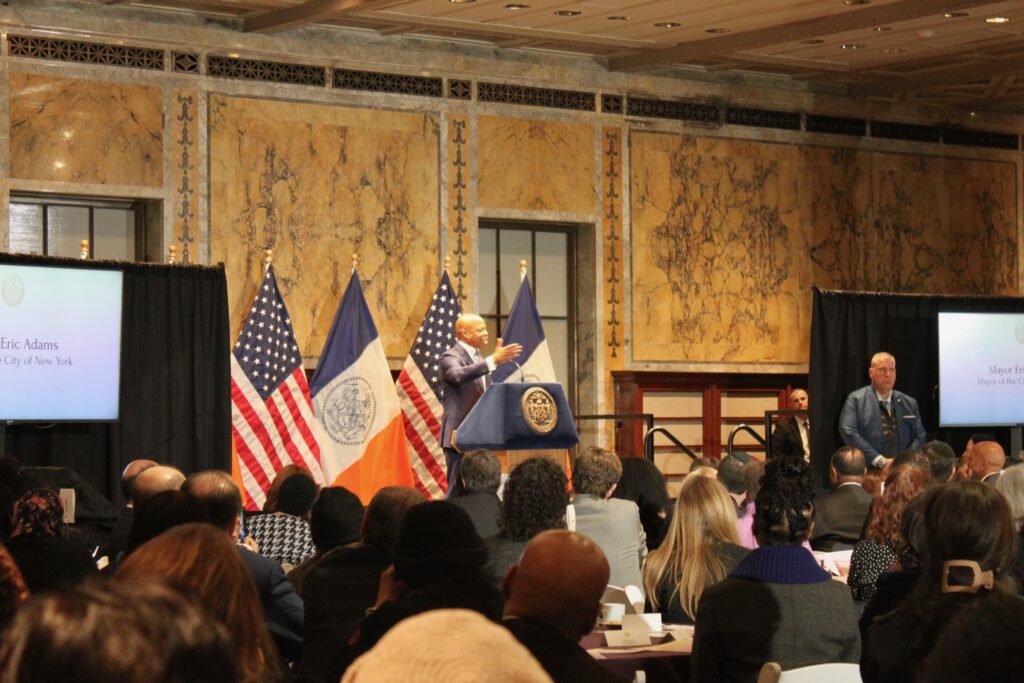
x,y
717,273
909,223
185,173
536,165
317,183
460,217
83,131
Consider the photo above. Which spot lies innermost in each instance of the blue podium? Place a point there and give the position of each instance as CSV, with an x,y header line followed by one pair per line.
x,y
518,416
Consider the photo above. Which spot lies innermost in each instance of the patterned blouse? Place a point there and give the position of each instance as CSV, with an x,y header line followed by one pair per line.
x,y
870,559
281,537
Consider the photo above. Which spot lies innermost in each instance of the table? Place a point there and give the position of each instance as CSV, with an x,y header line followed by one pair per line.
x,y
661,662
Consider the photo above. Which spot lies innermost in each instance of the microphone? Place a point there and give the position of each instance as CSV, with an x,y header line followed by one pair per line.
x,y
522,373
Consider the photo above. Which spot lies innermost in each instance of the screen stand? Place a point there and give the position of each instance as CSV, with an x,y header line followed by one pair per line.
x,y
1015,443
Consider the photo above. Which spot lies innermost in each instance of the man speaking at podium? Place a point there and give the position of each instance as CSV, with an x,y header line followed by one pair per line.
x,y
463,374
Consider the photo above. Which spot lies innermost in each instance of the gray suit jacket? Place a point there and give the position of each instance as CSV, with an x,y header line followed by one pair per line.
x,y
614,524
839,517
860,423
460,389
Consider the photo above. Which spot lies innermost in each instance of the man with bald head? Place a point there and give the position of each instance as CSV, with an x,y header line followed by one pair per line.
x,y
119,533
154,480
463,373
879,420
553,598
986,461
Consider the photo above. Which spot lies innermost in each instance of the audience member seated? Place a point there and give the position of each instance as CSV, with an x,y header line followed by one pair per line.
x,y
778,604
480,476
439,564
534,501
839,516
426,649
986,461
118,541
974,647
941,461
963,467
160,512
13,590
46,559
613,524
270,504
752,473
334,522
548,609
203,560
700,549
969,548
914,458
704,467
644,484
221,500
111,633
343,585
12,486
732,476
895,585
882,543
1011,485
284,536
153,480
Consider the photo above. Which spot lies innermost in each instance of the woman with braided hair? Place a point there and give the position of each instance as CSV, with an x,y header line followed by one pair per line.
x,y
777,605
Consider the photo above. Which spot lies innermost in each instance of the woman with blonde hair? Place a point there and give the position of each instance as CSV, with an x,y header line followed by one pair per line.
x,y
700,548
202,559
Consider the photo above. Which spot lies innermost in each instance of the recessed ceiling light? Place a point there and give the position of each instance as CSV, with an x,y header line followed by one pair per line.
x,y
568,13
461,2
668,24
853,46
955,15
883,29
618,17
717,30
856,2
516,5
893,50
998,20
812,41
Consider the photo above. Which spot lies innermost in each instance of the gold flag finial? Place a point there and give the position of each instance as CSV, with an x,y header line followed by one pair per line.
x,y
355,262
172,254
85,249
522,270
447,262
268,256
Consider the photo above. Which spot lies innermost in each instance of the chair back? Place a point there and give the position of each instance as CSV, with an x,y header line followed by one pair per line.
x,y
771,672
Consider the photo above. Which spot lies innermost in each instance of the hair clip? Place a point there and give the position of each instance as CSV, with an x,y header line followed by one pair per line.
x,y
979,579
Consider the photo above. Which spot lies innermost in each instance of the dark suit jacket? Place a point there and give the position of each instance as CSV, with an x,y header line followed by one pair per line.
x,y
483,510
839,517
564,660
786,438
282,607
459,388
860,423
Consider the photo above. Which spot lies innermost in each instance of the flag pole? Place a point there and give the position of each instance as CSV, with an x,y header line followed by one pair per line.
x,y
522,271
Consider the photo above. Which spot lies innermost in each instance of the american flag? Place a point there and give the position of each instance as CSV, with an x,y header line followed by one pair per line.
x,y
271,412
418,386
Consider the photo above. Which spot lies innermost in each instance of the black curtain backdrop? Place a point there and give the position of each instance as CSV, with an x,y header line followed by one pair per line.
x,y
847,328
175,380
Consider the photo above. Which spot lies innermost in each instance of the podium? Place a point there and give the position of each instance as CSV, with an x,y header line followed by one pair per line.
x,y
519,416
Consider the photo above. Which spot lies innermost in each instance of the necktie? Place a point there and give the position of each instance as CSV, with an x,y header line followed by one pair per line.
x,y
890,436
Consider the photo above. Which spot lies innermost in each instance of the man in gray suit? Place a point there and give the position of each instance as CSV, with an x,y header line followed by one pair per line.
x,y
612,523
463,373
879,420
839,516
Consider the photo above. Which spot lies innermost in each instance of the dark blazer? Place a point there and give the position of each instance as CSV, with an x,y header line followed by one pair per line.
x,y
786,438
564,660
459,389
839,517
51,562
483,510
860,423
282,607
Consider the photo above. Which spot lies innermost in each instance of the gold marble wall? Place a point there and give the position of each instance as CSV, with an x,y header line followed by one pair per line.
x,y
729,235
185,172
535,165
317,183
460,219
83,131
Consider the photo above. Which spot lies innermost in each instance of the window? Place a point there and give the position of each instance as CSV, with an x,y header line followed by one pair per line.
x,y
548,250
55,226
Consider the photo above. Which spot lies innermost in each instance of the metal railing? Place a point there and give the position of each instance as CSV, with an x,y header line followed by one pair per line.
x,y
749,430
